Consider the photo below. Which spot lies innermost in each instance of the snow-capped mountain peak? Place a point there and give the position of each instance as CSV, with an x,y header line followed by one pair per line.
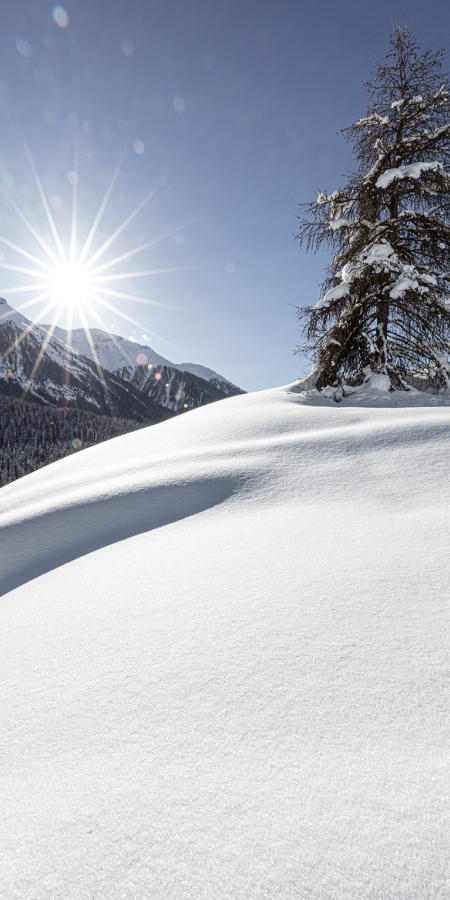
x,y
99,372
124,356
113,352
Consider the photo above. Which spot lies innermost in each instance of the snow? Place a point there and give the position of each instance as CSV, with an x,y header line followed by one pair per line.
x,y
55,346
225,657
200,371
414,170
373,119
381,256
336,224
8,314
410,280
403,284
337,293
115,353
443,363
378,253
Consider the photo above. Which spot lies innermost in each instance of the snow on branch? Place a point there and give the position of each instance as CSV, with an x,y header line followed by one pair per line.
x,y
403,284
443,363
373,119
337,293
380,257
414,170
411,280
377,254
335,224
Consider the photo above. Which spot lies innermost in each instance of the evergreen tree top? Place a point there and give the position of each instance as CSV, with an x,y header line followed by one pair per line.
x,y
386,302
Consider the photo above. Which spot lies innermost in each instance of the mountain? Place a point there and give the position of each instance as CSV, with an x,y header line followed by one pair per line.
x,y
64,377
125,357
69,375
225,657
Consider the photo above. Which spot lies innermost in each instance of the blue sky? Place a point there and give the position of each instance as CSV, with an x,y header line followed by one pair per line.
x,y
225,114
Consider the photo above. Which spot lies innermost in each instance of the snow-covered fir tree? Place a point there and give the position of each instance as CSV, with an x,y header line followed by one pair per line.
x,y
386,302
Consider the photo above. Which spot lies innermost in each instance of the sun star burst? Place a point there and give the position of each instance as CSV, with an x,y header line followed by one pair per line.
x,y
78,282
72,284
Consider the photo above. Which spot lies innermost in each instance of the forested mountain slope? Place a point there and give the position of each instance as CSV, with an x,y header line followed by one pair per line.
x,y
33,435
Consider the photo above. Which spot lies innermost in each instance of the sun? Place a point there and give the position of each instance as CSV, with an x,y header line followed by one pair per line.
x,y
72,284
76,278
76,281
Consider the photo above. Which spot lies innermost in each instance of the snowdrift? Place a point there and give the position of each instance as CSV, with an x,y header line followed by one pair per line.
x,y
225,657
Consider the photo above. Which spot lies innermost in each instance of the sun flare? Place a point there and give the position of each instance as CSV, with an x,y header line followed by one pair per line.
x,y
80,280
72,284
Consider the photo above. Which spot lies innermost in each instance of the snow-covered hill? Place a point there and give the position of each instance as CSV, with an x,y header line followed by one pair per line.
x,y
225,658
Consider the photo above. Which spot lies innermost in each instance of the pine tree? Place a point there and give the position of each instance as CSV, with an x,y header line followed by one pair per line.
x,y
386,303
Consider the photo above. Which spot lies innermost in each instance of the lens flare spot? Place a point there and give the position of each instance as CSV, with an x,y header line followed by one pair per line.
x,y
76,444
128,48
60,16
157,376
141,359
23,47
138,147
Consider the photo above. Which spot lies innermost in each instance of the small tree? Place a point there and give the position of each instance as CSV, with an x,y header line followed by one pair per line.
x,y
386,303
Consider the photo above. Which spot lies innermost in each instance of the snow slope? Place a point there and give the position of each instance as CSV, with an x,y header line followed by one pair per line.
x,y
225,658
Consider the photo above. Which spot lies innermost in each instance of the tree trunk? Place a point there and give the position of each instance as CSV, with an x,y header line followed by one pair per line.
x,y
383,304
382,332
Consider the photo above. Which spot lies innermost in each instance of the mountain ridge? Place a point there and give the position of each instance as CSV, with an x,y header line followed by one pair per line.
x,y
102,376
120,355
